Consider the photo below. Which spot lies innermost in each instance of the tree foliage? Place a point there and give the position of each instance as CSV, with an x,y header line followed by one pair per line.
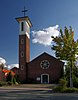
x,y
9,77
66,48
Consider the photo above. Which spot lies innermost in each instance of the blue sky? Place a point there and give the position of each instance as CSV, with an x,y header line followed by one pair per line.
x,y
43,14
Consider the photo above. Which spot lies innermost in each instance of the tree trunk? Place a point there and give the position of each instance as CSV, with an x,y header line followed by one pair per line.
x,y
71,82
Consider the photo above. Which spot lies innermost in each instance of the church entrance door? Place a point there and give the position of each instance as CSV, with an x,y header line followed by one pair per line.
x,y
44,78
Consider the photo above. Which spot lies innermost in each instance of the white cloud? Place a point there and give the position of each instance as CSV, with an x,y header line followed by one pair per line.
x,y
44,36
13,65
2,61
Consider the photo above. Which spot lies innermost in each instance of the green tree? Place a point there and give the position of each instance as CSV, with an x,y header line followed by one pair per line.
x,y
9,77
66,48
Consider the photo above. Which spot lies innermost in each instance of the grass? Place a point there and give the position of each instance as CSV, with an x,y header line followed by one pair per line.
x,y
60,89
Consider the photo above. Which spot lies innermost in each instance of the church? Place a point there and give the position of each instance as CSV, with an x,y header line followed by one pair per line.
x,y
44,68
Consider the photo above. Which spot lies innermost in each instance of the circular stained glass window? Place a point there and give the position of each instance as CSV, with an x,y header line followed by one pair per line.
x,y
45,64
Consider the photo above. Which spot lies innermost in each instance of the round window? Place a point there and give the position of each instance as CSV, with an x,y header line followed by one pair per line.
x,y
45,64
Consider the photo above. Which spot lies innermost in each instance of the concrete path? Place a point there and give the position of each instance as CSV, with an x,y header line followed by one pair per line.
x,y
17,93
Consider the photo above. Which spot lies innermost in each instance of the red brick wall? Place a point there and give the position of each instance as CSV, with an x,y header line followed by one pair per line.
x,y
23,60
2,76
54,70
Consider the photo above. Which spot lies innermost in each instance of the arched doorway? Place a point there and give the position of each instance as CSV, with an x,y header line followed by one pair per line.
x,y
45,78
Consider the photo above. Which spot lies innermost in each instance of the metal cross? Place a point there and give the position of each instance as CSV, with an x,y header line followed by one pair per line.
x,y
24,11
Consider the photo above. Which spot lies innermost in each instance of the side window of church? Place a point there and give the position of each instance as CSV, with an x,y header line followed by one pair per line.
x,y
22,54
22,67
22,26
22,41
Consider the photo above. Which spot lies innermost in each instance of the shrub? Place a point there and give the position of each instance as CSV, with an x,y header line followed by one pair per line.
x,y
63,82
9,77
10,83
0,84
3,83
14,80
16,83
17,78
65,90
69,90
58,89
75,81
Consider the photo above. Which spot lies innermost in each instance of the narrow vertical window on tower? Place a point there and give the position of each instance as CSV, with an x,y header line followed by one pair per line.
x,y
22,26
22,54
22,41
22,67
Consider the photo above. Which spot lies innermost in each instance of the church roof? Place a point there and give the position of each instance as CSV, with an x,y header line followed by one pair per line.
x,y
44,56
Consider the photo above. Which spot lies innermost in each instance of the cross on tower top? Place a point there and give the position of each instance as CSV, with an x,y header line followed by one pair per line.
x,y
24,11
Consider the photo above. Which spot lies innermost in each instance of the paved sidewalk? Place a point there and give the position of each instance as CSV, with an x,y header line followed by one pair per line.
x,y
33,93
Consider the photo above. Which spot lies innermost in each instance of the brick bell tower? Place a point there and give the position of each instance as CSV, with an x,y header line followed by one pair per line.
x,y
24,46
